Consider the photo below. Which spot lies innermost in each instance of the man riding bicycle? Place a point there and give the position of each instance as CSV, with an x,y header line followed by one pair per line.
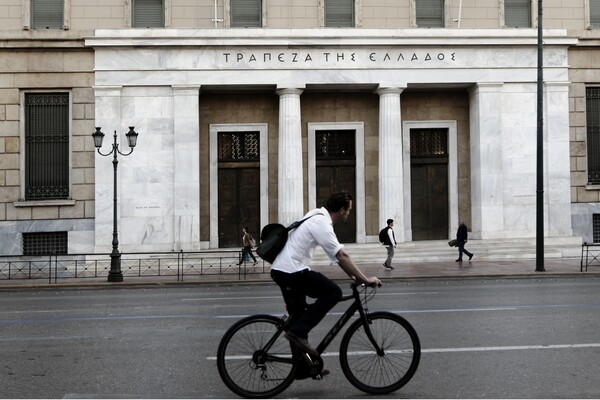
x,y
292,273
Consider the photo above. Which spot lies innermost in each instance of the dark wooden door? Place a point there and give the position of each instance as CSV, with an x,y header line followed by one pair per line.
x,y
429,183
429,202
239,204
336,171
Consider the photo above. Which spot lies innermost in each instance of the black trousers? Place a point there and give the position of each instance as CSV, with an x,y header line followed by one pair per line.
x,y
296,287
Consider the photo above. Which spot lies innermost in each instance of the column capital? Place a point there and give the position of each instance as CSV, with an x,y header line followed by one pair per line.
x,y
289,91
396,89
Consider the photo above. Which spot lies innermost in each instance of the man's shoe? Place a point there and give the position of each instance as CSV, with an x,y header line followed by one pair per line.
x,y
387,267
301,343
459,260
471,256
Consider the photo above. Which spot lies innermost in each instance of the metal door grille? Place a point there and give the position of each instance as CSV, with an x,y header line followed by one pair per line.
x,y
428,142
239,146
430,13
45,243
335,145
46,146
593,134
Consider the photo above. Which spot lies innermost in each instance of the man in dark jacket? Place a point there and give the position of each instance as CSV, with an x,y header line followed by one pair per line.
x,y
461,239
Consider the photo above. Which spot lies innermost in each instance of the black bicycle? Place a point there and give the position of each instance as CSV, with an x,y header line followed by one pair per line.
x,y
379,353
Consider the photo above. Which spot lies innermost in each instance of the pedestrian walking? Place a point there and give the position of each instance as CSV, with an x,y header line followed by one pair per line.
x,y
461,240
248,242
388,238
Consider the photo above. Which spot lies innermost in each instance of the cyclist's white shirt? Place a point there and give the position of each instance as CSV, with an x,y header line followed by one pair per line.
x,y
298,251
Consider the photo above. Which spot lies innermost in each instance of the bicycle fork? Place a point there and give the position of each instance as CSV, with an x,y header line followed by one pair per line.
x,y
367,327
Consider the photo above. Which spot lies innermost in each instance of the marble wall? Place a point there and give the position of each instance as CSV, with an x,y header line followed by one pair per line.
x,y
152,78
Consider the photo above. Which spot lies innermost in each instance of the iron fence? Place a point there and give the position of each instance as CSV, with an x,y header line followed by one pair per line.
x,y
177,265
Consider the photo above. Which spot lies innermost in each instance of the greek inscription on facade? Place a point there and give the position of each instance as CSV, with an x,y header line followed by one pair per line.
x,y
338,58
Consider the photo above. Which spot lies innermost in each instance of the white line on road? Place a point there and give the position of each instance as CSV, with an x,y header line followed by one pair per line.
x,y
483,349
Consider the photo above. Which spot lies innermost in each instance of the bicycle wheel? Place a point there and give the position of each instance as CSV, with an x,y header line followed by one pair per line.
x,y
246,366
380,374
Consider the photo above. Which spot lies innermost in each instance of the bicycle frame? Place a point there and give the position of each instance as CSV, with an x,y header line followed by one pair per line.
x,y
337,327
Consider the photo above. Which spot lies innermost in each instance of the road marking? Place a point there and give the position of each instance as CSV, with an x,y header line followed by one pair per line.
x,y
456,350
246,298
512,348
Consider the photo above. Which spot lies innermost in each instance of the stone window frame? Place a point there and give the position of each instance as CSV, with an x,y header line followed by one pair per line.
x,y
413,15
227,14
452,127
26,9
214,130
129,13
357,14
360,195
534,14
53,202
587,16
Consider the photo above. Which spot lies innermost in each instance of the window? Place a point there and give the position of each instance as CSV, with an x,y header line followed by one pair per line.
x,y
430,13
246,13
148,14
239,146
339,13
45,243
593,133
517,13
594,13
46,146
47,14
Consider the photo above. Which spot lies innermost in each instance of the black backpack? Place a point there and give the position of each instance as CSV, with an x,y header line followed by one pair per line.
x,y
273,238
383,235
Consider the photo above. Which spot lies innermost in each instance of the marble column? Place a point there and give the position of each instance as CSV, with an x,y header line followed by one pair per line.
x,y
391,190
557,176
186,209
290,177
487,197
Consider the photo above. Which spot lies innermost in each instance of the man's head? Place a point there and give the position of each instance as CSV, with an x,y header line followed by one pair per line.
x,y
339,205
390,222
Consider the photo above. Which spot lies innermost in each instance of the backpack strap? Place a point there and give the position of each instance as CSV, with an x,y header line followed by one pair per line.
x,y
296,224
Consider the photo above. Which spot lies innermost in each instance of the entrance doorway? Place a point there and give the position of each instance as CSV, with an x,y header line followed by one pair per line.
x,y
238,186
335,157
429,183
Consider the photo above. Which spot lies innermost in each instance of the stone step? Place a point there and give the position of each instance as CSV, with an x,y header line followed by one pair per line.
x,y
438,250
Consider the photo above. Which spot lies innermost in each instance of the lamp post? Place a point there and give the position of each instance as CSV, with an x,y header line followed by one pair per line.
x,y
115,274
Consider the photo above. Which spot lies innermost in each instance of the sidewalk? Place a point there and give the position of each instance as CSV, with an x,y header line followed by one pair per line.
x,y
402,270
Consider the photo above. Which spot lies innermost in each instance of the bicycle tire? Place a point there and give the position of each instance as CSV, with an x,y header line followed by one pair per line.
x,y
370,372
237,358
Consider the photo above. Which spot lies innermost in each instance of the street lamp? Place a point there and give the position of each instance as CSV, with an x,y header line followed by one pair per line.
x,y
115,274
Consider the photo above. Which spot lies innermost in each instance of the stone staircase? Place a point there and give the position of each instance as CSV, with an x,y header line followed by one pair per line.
x,y
438,250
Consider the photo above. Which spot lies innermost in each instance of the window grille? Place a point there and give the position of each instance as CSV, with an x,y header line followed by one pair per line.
x,y
46,146
239,146
45,243
335,145
517,13
596,227
594,13
246,13
47,14
430,13
429,142
148,14
593,133
339,13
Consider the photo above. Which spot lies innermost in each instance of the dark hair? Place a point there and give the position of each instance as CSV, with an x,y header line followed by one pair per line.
x,y
338,200
389,221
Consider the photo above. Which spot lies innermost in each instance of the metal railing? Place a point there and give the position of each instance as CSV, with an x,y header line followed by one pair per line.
x,y
177,265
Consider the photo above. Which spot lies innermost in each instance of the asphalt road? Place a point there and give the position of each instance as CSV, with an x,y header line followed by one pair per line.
x,y
529,338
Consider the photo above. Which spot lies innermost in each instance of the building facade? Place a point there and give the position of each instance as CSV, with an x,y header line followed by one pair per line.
x,y
252,111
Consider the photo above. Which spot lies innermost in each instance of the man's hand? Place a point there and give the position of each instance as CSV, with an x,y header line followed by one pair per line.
x,y
373,281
